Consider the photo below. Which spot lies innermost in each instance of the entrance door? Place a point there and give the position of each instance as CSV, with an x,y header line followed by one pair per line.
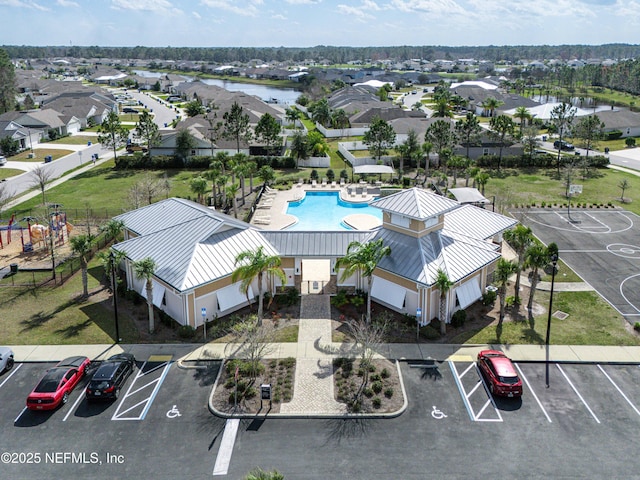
x,y
316,275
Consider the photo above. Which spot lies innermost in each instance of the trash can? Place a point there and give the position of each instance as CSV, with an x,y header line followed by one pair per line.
x,y
14,268
48,158
88,144
544,138
606,150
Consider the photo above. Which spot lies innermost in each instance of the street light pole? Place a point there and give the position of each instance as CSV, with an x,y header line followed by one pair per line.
x,y
554,261
114,285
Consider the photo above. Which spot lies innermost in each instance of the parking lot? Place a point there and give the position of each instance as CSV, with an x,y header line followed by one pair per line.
x,y
160,427
601,246
160,412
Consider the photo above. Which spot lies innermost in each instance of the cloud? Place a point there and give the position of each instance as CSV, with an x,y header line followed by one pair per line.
x,y
67,3
196,15
303,2
362,12
437,7
157,6
278,16
247,10
23,4
540,8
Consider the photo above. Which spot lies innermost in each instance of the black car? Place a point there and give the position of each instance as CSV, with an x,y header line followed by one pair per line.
x,y
562,145
129,110
108,380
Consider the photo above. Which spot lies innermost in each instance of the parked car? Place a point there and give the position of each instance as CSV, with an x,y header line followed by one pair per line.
x,y
563,145
108,380
499,373
57,384
129,110
3,160
6,359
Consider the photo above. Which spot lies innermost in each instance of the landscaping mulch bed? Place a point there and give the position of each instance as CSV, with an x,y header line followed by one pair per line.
x,y
382,394
279,373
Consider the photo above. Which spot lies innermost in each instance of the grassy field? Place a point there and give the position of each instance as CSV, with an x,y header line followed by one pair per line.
x,y
9,172
55,316
530,187
40,153
75,140
591,321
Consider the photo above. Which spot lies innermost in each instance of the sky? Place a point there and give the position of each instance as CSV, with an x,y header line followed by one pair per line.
x,y
305,23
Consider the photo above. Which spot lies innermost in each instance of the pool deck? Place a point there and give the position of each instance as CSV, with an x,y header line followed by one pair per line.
x,y
271,213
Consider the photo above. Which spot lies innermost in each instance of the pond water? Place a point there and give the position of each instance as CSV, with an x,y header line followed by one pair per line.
x,y
265,92
325,211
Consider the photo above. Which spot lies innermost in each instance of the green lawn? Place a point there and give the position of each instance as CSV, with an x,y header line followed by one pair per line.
x,y
591,321
40,153
512,187
9,172
104,187
55,316
75,140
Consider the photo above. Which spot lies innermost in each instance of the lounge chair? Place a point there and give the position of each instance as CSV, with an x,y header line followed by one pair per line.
x,y
313,184
333,184
342,182
364,191
324,182
262,221
300,182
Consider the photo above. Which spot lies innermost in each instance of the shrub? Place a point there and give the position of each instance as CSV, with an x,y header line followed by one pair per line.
x,y
376,387
186,332
429,332
385,373
612,135
630,142
340,299
376,377
458,318
488,297
291,296
388,392
368,392
376,402
313,175
510,301
288,362
636,326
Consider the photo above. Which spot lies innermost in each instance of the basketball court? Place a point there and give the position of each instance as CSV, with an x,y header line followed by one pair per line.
x,y
600,245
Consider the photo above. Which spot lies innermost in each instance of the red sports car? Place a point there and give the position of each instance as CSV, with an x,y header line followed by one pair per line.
x,y
57,383
500,374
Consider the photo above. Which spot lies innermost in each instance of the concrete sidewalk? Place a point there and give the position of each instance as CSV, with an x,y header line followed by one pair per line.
x,y
314,352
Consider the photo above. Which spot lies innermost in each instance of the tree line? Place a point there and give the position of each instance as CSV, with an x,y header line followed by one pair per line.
x,y
334,54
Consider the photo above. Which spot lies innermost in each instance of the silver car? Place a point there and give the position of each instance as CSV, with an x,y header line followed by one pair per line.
x,y
6,359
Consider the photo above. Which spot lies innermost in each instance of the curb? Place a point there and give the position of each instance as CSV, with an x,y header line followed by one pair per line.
x,y
284,416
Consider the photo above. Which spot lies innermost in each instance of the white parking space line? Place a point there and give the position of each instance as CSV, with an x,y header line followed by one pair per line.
x,y
577,393
463,394
156,383
226,447
10,375
522,376
620,391
20,414
73,407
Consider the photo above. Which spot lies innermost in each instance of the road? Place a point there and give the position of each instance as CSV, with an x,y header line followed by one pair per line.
x,y
163,116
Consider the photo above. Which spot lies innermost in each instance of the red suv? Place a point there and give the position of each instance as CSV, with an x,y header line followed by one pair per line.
x,y
500,374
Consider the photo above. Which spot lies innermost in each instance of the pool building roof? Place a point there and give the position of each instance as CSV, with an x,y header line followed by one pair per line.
x,y
193,245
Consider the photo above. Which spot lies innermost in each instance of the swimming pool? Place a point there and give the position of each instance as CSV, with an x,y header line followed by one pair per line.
x,y
325,211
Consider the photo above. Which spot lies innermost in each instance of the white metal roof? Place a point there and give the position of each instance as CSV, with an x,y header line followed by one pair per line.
x,y
477,222
416,203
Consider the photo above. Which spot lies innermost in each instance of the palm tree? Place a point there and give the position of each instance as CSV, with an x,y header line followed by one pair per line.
x,y
81,245
522,113
198,185
321,112
255,264
520,238
145,269
536,257
504,270
491,104
259,474
292,116
443,284
481,179
110,260
363,258
113,228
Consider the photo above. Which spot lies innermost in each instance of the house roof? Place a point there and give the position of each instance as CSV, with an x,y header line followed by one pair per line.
x,y
314,244
416,203
619,119
477,222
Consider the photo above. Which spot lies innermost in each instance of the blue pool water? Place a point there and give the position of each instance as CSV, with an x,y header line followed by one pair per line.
x,y
325,211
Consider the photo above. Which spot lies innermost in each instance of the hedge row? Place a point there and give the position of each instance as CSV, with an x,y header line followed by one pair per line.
x,y
161,162
539,161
